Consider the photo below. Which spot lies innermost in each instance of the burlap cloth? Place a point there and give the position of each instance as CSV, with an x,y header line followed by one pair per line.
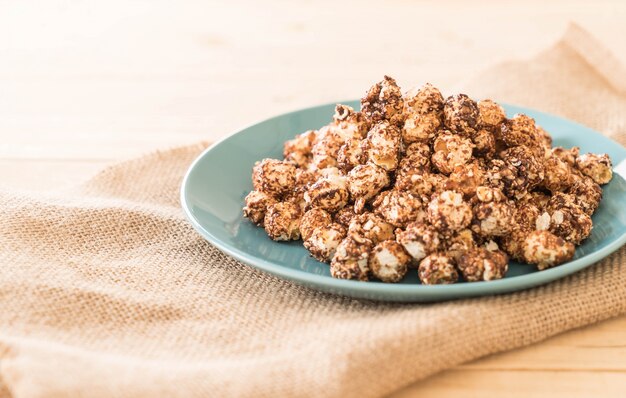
x,y
105,289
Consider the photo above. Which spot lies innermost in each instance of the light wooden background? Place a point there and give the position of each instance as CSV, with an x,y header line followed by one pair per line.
x,y
86,83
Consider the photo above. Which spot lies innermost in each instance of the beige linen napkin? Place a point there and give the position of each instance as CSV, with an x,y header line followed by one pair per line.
x,y
105,290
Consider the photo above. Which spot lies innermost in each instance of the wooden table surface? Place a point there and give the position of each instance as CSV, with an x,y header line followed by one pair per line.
x,y
84,84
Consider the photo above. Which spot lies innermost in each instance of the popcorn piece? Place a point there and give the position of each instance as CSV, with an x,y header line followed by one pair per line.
x,y
382,146
481,264
350,155
504,176
420,127
527,165
366,181
298,150
370,227
517,172
542,222
257,203
282,221
419,240
538,199
521,130
487,194
460,114
567,219
419,150
329,193
587,194
329,141
313,219
466,179
546,249
274,177
344,216
297,198
567,155
460,243
323,242
399,208
558,174
545,140
384,102
493,219
388,261
447,211
526,215
351,260
484,143
417,181
513,243
304,180
416,155
353,123
437,269
426,99
490,114
326,149
450,151
598,167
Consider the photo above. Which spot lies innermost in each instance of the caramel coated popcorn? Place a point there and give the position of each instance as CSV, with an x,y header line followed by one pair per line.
x,y
257,203
274,177
460,114
558,174
490,115
399,208
370,227
388,261
382,146
419,239
313,219
493,218
329,193
598,167
282,221
420,127
587,194
546,249
298,150
426,99
351,260
450,189
484,143
451,150
481,264
520,130
437,269
448,211
567,219
384,102
467,178
366,181
322,243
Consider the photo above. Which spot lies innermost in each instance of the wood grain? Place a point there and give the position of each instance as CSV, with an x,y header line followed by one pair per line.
x,y
84,84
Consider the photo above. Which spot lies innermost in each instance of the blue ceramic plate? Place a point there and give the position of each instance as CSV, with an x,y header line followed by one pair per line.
x,y
214,188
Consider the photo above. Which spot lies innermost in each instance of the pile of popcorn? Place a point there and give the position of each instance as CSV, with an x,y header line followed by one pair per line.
x,y
450,187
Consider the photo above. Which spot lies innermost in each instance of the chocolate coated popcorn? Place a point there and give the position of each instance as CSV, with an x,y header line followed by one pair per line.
x,y
451,187
388,261
437,269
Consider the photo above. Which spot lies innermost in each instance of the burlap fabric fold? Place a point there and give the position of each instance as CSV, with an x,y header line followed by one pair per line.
x,y
105,289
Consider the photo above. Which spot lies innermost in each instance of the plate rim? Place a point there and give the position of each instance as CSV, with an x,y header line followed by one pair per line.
x,y
415,290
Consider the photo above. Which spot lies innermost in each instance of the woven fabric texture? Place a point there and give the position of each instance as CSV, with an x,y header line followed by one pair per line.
x,y
106,290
